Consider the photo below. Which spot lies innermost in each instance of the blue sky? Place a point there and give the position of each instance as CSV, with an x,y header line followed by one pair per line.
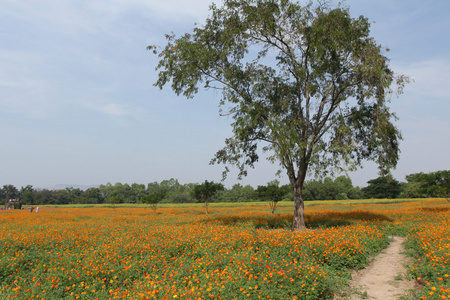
x,y
77,105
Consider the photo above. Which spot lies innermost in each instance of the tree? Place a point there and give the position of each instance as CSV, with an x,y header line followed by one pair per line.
x,y
45,196
154,198
73,195
27,194
339,189
434,184
272,193
106,190
205,191
114,199
384,187
412,190
92,195
238,193
308,83
9,191
137,192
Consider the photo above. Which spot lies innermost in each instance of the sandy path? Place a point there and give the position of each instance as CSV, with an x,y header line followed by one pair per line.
x,y
378,280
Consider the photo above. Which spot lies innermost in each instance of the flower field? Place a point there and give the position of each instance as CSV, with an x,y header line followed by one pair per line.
x,y
231,253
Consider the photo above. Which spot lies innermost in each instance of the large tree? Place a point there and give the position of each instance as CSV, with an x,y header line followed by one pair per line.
x,y
308,83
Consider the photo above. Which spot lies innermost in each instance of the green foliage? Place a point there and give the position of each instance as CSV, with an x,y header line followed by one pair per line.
x,y
434,184
9,191
412,190
181,195
91,195
340,188
306,81
114,199
382,187
274,104
154,198
238,193
272,193
205,191
27,194
419,185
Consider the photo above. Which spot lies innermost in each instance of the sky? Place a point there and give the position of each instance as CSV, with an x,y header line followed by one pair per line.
x,y
78,105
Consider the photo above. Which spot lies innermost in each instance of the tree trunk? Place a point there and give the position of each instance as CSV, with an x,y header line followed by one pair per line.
x,y
299,210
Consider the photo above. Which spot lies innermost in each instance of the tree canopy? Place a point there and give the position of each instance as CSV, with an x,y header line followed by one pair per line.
x,y
272,193
205,191
308,83
316,75
154,198
382,187
434,184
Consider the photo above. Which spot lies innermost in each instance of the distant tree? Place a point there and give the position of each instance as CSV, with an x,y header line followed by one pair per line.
x,y
27,194
384,187
92,195
46,196
233,194
179,195
433,184
106,190
64,196
329,188
114,199
129,194
154,198
413,189
314,190
9,191
356,193
205,191
125,191
152,187
288,193
170,184
239,193
345,190
308,82
174,191
137,192
271,193
341,188
74,195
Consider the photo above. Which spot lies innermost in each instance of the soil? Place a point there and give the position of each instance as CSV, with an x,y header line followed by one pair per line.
x,y
384,278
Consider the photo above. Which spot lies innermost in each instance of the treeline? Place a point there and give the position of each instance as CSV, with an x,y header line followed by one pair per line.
x,y
418,185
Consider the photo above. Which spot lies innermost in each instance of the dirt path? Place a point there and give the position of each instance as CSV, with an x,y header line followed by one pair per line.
x,y
384,278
